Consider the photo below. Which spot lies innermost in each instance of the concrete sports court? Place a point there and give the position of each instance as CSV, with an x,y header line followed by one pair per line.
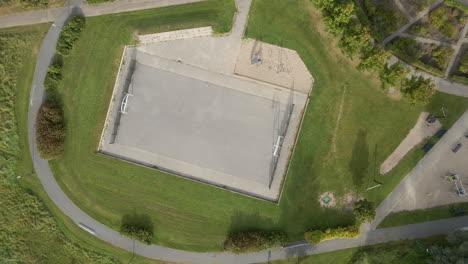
x,y
228,131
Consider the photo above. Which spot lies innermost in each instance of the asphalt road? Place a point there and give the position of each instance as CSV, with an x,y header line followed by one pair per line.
x,y
53,14
157,252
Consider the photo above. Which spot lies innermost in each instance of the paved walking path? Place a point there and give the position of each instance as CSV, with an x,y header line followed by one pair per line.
x,y
167,254
118,6
411,22
442,84
426,40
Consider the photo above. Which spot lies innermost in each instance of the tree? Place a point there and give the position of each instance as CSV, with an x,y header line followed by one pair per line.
x,y
364,211
456,253
336,15
373,59
393,75
417,90
354,40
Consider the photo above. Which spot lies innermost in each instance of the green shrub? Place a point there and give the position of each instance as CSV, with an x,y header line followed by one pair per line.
x,y
364,211
53,77
354,40
50,131
373,59
70,34
137,232
337,15
463,66
457,4
438,17
316,236
393,75
441,56
448,30
253,241
420,30
417,90
406,48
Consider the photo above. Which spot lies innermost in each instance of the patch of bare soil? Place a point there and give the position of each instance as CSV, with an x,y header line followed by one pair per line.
x,y
349,199
331,200
394,93
417,134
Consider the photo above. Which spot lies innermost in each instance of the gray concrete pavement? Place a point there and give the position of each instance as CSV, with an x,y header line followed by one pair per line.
x,y
118,6
412,192
156,252
427,40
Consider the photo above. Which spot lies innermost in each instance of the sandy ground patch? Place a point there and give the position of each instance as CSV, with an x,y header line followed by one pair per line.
x,y
273,64
332,201
417,134
349,199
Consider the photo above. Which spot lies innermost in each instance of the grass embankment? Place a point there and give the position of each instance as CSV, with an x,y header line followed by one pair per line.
x,y
193,216
29,233
419,216
402,252
14,6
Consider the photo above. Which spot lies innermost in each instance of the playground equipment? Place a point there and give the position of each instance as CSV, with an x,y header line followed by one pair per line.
x,y
460,188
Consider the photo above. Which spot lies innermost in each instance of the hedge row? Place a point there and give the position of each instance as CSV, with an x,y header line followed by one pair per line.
x,y
316,236
70,34
50,131
53,77
253,241
457,4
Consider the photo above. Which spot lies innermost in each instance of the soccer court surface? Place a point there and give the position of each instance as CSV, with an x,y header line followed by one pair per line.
x,y
223,130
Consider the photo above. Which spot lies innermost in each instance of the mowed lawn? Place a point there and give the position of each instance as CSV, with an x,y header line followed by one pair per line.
x,y
194,216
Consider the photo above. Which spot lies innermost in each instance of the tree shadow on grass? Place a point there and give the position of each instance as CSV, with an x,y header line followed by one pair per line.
x,y
143,221
241,222
300,207
359,163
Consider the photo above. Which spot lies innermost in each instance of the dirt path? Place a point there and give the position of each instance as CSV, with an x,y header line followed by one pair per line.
x,y
417,134
340,113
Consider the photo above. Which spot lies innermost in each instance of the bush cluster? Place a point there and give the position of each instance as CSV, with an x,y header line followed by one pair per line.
x,y
316,236
50,131
417,90
137,232
341,19
457,4
53,77
253,241
70,34
364,211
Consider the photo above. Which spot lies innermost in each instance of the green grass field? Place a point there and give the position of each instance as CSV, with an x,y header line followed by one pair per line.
x,y
402,252
419,216
29,230
193,216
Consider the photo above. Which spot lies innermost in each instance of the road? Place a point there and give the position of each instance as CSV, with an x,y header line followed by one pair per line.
x,y
53,14
167,254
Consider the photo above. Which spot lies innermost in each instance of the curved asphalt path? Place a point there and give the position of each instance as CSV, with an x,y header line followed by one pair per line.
x,y
167,254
